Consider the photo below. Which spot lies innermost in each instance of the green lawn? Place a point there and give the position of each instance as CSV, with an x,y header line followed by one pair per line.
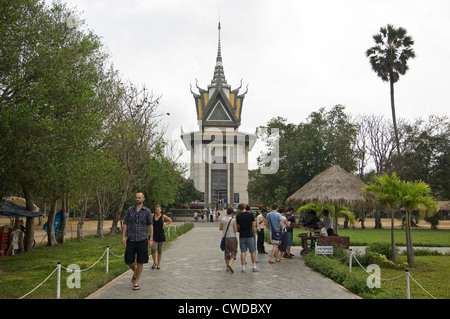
x,y
430,272
21,273
363,237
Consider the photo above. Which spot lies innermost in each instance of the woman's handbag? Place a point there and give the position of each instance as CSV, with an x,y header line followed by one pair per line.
x,y
222,242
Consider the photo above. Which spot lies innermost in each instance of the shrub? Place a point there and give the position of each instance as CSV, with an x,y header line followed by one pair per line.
x,y
380,248
339,273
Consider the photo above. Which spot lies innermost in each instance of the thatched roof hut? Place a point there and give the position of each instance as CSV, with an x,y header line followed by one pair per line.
x,y
335,186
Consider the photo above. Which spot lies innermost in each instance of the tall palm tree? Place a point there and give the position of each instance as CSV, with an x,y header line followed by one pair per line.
x,y
385,188
389,57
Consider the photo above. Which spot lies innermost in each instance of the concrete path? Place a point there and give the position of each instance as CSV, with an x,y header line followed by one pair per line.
x,y
193,267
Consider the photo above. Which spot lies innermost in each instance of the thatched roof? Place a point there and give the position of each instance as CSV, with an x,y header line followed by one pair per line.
x,y
334,186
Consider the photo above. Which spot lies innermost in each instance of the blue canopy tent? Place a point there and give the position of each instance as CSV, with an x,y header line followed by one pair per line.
x,y
11,209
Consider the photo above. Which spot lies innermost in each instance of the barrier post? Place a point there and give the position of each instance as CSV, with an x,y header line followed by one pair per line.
x,y
168,231
107,259
350,260
408,293
58,280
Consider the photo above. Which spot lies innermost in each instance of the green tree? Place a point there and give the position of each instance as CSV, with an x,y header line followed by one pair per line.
x,y
385,188
51,110
388,58
408,196
414,196
306,149
426,154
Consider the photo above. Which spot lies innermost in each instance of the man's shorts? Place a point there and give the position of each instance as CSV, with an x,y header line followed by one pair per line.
x,y
290,236
136,248
247,243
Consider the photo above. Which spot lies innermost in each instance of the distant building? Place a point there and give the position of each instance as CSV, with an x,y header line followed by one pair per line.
x,y
219,151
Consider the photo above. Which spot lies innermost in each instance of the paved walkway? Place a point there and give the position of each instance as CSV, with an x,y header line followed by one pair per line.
x,y
193,267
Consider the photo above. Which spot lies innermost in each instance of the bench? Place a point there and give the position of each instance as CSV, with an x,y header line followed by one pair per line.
x,y
338,240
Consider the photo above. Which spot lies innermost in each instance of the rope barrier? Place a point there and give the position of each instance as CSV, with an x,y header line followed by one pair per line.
x,y
59,266
406,274
39,284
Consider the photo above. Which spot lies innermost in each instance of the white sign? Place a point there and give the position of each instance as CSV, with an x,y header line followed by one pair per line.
x,y
324,250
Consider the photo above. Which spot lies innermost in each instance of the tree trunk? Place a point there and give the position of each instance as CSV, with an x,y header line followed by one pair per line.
x,y
393,247
29,223
391,82
123,198
82,217
363,218
378,224
51,223
100,214
409,245
346,222
64,218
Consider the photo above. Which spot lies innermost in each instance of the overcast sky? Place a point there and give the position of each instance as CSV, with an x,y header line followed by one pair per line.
x,y
296,56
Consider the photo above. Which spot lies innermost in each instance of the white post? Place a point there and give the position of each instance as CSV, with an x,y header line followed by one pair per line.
x,y
107,259
408,293
58,280
168,231
350,261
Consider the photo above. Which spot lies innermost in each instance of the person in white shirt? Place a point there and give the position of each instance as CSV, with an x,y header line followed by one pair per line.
x,y
322,230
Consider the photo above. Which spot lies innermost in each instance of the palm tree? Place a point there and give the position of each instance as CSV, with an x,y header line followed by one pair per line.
x,y
408,196
414,196
389,57
386,194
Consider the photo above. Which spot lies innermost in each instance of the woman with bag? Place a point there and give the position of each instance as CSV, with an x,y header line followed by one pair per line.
x,y
229,228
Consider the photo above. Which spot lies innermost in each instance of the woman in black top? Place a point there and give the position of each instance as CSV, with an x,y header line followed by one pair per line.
x,y
159,221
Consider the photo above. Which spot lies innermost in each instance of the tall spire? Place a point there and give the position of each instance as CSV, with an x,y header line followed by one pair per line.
x,y
219,76
219,53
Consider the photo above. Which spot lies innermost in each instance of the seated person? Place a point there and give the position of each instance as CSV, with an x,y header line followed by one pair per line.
x,y
322,232
311,225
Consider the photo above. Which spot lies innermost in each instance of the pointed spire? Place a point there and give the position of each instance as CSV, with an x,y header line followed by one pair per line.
x,y
219,76
219,51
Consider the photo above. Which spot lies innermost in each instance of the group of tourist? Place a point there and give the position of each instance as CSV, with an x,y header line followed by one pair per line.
x,y
139,222
280,222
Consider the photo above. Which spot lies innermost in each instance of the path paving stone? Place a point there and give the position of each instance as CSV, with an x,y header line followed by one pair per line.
x,y
193,267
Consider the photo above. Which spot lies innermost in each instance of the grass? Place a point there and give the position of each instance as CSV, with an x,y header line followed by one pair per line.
x,y
430,272
364,237
23,272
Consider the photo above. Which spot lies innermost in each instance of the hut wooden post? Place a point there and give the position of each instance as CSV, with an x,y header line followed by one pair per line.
x,y
336,210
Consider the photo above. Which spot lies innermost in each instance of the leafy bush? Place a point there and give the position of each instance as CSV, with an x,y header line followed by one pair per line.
x,y
380,248
339,273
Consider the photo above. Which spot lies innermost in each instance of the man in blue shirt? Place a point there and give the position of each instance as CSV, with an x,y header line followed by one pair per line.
x,y
138,219
275,224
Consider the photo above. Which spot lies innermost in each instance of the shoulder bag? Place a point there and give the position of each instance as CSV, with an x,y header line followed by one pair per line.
x,y
276,234
222,242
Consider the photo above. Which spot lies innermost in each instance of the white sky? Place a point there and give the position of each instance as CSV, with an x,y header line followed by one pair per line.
x,y
296,56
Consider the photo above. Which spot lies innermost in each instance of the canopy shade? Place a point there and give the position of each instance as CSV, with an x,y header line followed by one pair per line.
x,y
334,185
11,207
